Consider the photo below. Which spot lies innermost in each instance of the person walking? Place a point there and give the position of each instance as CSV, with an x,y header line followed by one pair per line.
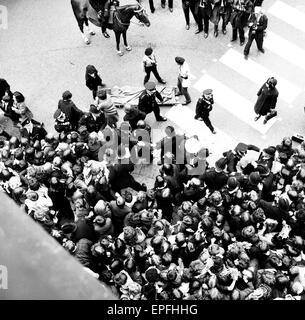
x,y
241,12
183,79
148,100
150,65
187,6
204,107
266,101
258,23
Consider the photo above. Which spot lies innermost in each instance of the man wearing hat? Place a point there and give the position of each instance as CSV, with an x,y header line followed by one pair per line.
x,y
203,108
266,100
257,24
4,88
67,106
216,178
148,100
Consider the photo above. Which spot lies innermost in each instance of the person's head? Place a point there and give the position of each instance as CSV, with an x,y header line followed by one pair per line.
x,y
169,131
67,95
207,94
90,69
18,97
179,60
148,51
102,94
141,124
150,86
272,82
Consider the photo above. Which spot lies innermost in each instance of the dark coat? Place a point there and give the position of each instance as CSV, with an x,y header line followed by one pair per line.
x,y
4,87
214,180
93,124
239,17
267,99
147,102
92,83
203,108
72,113
260,24
133,117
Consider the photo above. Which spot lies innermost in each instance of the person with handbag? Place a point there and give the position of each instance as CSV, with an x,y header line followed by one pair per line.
x,y
183,79
266,101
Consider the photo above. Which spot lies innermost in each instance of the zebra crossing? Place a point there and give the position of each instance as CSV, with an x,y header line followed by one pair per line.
x,y
284,59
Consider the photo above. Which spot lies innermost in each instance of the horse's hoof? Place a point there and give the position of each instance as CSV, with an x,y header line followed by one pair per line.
x,y
87,41
120,53
128,48
92,33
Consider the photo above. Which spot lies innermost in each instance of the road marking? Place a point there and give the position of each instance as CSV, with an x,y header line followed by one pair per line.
x,y
285,49
234,103
288,14
259,74
184,118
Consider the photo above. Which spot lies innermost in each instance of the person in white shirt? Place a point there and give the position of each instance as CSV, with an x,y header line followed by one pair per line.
x,y
183,79
150,65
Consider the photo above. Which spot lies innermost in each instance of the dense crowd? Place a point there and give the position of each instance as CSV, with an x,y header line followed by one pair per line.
x,y
234,230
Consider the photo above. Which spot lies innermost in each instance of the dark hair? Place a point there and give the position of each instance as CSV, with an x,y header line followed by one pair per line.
x,y
148,51
19,96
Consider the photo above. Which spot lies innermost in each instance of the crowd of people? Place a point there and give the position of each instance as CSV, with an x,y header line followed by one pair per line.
x,y
229,231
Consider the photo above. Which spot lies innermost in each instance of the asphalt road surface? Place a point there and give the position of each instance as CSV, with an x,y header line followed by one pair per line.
x,y
43,54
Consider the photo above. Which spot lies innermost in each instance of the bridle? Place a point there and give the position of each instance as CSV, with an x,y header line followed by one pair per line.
x,y
125,23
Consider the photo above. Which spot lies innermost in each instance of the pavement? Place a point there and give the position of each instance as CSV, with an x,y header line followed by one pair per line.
x,y
43,54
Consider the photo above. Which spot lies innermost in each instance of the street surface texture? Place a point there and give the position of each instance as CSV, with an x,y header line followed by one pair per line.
x,y
43,54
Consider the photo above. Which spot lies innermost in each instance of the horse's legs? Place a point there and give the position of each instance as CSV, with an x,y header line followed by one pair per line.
x,y
127,47
90,31
117,38
80,22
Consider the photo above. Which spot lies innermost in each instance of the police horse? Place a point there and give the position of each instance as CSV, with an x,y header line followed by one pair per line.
x,y
84,12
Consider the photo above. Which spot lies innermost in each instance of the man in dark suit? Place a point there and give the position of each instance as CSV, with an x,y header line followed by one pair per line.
x,y
239,17
216,178
148,100
187,6
203,108
257,25
68,107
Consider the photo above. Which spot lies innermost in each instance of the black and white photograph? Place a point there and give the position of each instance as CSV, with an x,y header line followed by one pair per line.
x,y
152,153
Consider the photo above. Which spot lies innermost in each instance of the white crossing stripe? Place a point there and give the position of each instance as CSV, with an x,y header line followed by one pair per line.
x,y
288,14
259,74
184,118
285,49
234,103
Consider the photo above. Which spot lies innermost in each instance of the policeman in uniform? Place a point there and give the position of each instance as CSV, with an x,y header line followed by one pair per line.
x,y
148,100
203,108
